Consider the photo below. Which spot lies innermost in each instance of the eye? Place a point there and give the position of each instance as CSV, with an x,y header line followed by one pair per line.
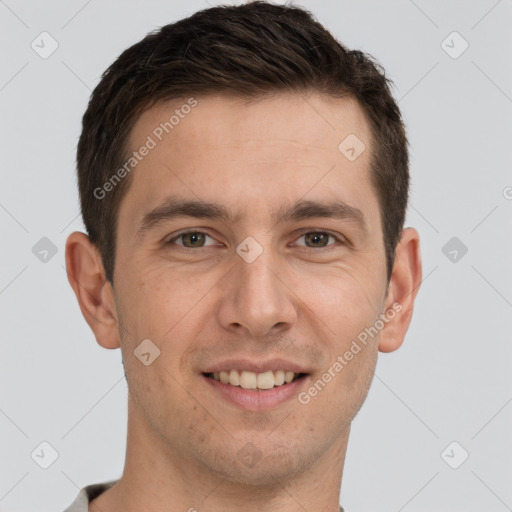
x,y
318,239
196,239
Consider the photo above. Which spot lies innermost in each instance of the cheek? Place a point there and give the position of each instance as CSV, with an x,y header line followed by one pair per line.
x,y
348,305
161,299
346,298
340,391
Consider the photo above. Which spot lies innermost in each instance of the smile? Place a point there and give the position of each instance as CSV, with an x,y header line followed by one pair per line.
x,y
263,391
251,380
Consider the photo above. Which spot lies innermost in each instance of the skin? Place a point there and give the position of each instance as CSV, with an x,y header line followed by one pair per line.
x,y
301,299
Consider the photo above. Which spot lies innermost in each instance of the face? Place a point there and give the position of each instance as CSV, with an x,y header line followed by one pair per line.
x,y
278,267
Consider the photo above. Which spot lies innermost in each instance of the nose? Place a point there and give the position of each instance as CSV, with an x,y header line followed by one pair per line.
x,y
257,298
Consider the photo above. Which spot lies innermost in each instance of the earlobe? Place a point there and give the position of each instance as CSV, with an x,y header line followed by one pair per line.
x,y
403,288
86,276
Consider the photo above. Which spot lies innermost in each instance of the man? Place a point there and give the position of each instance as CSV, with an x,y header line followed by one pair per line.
x,y
243,180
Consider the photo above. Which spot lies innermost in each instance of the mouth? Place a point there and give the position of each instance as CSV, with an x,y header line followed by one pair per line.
x,y
262,381
255,387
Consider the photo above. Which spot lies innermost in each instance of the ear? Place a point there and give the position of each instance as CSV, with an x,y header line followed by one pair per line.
x,y
94,293
402,290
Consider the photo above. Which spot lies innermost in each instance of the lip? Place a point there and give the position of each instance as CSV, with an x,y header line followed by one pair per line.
x,y
256,400
251,365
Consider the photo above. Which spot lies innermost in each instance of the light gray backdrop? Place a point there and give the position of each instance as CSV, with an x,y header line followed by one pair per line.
x,y
443,396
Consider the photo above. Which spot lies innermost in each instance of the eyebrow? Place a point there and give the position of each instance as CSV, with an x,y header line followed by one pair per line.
x,y
174,207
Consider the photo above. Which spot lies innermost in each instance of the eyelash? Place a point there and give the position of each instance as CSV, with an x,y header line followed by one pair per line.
x,y
339,239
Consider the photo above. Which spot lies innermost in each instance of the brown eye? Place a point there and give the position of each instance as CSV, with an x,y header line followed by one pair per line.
x,y
195,239
317,239
191,239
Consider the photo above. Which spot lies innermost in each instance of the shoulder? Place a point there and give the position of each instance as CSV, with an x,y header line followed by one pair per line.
x,y
87,494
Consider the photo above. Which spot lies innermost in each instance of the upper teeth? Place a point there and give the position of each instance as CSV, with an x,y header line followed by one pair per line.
x,y
251,380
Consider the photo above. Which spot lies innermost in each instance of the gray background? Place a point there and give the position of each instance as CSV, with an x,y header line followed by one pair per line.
x,y
450,381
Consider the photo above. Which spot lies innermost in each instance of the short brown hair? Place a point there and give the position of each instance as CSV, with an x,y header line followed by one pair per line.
x,y
249,50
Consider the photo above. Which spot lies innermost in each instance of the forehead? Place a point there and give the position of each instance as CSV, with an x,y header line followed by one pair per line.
x,y
315,120
286,145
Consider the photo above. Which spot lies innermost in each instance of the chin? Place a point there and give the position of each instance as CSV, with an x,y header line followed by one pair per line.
x,y
251,467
